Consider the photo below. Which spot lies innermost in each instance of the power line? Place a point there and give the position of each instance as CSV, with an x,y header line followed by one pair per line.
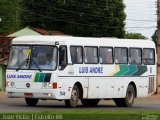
x,y
56,19
71,22
99,4
138,29
142,20
67,10
48,20
140,13
84,5
85,13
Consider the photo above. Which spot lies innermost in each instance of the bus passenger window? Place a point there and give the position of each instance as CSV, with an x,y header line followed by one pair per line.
x,y
135,56
148,56
91,55
62,55
121,56
76,54
106,55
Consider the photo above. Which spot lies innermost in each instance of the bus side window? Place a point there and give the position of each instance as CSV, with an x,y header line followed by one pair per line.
x,y
135,56
76,54
120,54
91,55
148,56
106,55
62,57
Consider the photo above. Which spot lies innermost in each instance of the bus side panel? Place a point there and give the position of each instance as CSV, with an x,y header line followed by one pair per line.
x,y
65,86
142,86
121,84
94,87
107,89
120,87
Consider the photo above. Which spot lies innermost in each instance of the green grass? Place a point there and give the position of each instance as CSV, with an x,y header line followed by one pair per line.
x,y
80,114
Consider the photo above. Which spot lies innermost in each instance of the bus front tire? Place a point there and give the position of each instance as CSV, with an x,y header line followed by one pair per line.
x,y
128,100
31,101
90,102
73,101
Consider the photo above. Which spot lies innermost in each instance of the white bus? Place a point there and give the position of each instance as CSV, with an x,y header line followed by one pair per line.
x,y
80,68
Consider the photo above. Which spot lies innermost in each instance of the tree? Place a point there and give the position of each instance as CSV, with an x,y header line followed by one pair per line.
x,y
134,36
76,17
9,15
155,37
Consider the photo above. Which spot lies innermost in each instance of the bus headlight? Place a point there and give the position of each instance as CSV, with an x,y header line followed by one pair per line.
x,y
47,85
10,84
50,85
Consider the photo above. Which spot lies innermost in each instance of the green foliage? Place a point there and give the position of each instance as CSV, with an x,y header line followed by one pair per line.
x,y
94,18
155,37
134,36
9,15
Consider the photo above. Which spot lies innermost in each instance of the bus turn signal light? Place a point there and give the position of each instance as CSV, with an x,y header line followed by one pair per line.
x,y
54,85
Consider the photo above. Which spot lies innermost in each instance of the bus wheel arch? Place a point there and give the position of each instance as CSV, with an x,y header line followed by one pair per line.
x,y
134,86
129,98
79,85
76,94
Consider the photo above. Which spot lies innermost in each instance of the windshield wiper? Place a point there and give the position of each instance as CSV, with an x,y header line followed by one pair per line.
x,y
27,64
32,60
26,60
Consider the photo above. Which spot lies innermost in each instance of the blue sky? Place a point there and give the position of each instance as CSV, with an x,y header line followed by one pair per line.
x,y
141,16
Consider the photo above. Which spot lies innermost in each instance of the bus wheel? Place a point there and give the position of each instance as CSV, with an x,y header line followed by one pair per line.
x,y
90,102
73,101
129,100
31,101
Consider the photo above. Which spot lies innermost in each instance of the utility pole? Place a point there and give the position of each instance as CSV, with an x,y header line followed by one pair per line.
x,y
158,44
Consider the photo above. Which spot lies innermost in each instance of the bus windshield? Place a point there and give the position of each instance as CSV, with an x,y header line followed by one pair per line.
x,y
33,57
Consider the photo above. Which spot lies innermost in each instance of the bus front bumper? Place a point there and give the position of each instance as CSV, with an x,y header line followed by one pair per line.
x,y
31,93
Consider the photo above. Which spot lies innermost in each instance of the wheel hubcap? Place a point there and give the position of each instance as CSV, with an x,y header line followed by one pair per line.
x,y
130,96
74,96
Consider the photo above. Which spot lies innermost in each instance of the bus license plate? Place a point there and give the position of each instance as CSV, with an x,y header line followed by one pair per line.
x,y
28,95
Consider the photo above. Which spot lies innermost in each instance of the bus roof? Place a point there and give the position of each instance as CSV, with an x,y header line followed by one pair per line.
x,y
83,41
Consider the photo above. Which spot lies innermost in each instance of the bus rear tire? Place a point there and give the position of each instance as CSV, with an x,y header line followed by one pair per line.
x,y
73,101
90,102
128,100
31,101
